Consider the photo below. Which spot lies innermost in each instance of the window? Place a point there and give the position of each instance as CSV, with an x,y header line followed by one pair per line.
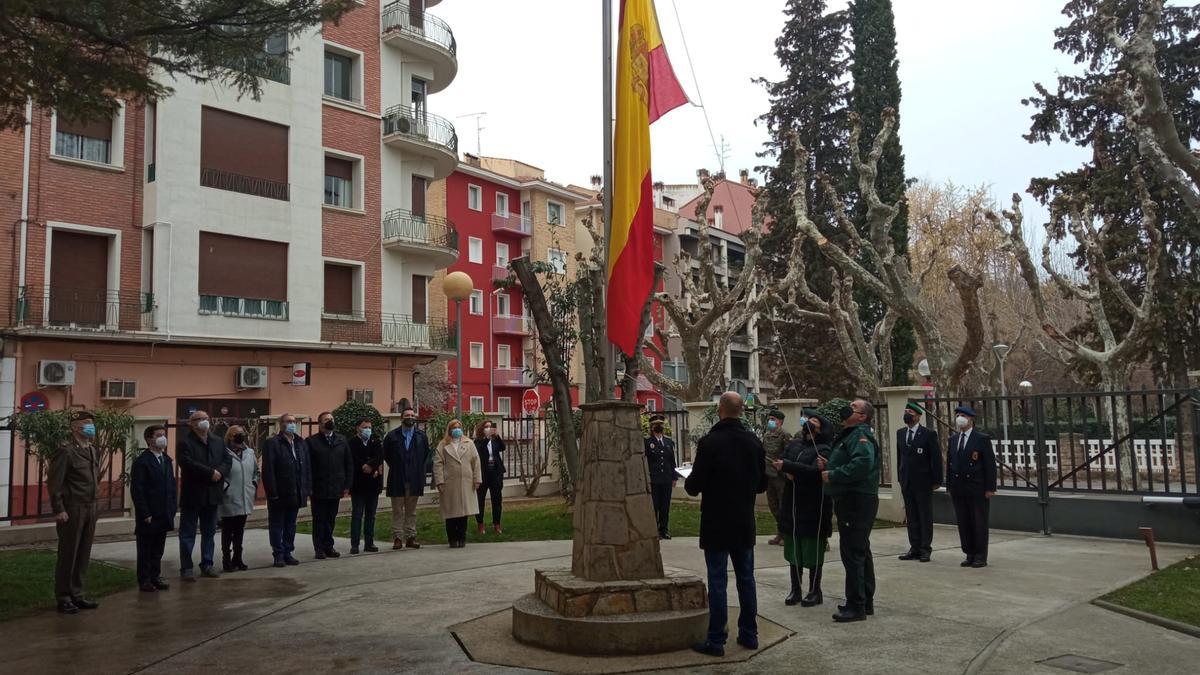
x,y
501,255
554,214
89,140
501,204
243,154
340,289
503,304
339,182
719,217
419,185
341,75
420,298
526,209
739,365
476,302
476,354
558,260
474,198
420,89
651,404
477,404
474,250
504,405
258,289
78,293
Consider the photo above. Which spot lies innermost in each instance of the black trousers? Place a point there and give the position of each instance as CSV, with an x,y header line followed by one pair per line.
x,y
971,513
456,529
362,518
660,494
492,482
149,556
324,513
233,529
856,517
918,511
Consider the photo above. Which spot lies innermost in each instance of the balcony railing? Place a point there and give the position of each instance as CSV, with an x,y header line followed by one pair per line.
x,y
58,308
512,324
422,126
415,22
403,226
512,377
499,273
249,308
249,185
511,223
390,330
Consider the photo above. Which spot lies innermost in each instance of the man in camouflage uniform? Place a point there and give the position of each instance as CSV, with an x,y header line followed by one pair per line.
x,y
852,478
774,440
73,481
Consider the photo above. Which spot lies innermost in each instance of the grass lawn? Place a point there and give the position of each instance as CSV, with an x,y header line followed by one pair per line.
x,y
27,581
1172,593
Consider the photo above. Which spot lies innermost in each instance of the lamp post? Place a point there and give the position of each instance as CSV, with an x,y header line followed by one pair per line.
x,y
1002,351
458,287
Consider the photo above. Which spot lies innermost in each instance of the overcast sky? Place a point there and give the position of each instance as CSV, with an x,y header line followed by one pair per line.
x,y
534,68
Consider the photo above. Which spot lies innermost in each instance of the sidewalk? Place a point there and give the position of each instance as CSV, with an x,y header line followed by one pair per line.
x,y
389,612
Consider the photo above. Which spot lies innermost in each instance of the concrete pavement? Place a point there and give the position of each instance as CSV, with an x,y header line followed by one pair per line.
x,y
390,612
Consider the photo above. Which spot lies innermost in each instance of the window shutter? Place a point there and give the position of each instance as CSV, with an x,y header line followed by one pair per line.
x,y
99,128
339,168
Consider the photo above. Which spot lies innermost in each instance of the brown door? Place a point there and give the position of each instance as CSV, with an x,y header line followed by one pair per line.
x,y
77,293
419,312
418,195
416,15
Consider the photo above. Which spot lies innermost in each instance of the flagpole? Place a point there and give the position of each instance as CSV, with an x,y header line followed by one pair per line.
x,y
609,367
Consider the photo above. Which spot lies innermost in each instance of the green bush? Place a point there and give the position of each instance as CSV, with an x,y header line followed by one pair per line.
x,y
347,414
667,431
44,432
435,426
830,410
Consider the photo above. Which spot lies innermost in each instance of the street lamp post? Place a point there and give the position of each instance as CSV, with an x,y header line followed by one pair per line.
x,y
1002,351
458,287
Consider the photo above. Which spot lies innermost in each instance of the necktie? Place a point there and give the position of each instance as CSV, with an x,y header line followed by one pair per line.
x,y
911,433
962,442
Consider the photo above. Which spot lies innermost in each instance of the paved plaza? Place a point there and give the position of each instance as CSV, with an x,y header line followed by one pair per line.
x,y
392,612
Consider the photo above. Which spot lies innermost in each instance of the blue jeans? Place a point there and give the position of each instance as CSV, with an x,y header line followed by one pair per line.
x,y
206,518
362,517
281,529
718,607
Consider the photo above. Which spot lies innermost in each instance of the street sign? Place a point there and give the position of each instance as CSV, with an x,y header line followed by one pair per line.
x,y
300,374
34,401
530,402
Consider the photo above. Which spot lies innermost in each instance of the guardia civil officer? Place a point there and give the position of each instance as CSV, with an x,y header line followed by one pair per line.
x,y
774,440
660,456
852,475
971,481
920,475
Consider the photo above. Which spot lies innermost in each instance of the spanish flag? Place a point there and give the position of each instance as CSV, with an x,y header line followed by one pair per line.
x,y
646,90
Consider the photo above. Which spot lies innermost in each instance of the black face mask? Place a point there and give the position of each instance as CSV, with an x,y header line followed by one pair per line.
x,y
328,425
846,412
657,428
408,421
239,438
909,419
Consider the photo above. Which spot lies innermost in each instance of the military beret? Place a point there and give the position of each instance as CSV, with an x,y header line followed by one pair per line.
x,y
965,410
657,418
80,415
776,413
915,408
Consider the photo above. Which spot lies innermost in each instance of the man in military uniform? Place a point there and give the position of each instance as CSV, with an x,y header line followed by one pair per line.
x,y
74,485
852,475
971,481
660,456
774,440
920,474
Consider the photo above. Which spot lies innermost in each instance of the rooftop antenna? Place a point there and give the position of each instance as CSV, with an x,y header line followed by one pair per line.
x,y
723,151
478,130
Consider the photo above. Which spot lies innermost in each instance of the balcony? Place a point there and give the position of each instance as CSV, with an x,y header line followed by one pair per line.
x,y
413,30
512,377
246,308
643,383
499,273
514,324
511,223
421,133
53,308
248,185
396,331
426,235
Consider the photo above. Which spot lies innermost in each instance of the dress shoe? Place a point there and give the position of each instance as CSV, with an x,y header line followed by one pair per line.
x,y
845,615
187,576
371,548
924,558
147,587
909,556
966,563
161,585
748,643
411,542
397,544
84,603
480,529
67,607
665,535
319,555
353,550
227,566
709,648
238,564
209,573
777,540
869,610
332,553
496,529
291,561
979,563
278,563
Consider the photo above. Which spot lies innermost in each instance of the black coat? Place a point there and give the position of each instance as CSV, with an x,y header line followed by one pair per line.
x,y
287,479
369,453
729,471
152,486
972,470
920,463
805,511
332,465
197,461
407,466
660,457
498,468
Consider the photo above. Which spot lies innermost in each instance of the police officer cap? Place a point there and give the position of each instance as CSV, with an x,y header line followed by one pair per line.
x,y
965,410
915,408
657,418
81,415
776,413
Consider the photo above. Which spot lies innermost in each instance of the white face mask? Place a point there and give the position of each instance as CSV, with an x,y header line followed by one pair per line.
x,y
160,442
202,425
961,422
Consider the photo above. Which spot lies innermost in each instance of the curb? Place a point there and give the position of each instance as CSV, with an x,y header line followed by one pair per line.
x,y
1186,629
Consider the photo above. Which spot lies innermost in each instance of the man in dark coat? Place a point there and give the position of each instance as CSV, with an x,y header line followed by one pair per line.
x,y
152,486
366,453
729,471
408,455
920,472
287,477
971,481
660,458
332,469
73,481
203,465
851,476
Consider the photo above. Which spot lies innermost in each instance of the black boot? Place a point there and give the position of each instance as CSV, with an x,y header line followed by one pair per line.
x,y
794,596
226,562
237,560
814,596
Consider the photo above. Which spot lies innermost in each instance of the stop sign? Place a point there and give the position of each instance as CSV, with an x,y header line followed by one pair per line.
x,y
530,402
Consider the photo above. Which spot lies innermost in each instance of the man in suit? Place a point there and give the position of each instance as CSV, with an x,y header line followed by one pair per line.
x,y
73,481
920,475
152,486
287,477
366,451
729,472
660,458
331,476
971,481
408,455
203,465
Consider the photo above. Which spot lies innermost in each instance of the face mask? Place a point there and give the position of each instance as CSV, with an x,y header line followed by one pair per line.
x,y
408,421
803,421
846,412
89,430
365,433
961,422
657,428
239,438
202,425
909,419
328,425
290,427
456,433
160,442
771,425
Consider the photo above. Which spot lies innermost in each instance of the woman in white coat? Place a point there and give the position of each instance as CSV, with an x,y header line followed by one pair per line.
x,y
237,503
457,476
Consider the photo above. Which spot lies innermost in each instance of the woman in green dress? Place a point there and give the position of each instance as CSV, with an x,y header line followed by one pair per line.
x,y
806,512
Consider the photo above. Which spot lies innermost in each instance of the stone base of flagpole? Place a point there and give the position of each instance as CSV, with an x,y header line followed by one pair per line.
x,y
616,598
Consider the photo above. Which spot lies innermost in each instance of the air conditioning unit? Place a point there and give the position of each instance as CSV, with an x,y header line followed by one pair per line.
x,y
361,395
118,389
251,377
56,373
404,125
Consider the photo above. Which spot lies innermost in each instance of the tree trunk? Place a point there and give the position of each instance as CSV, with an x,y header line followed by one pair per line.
x,y
1116,416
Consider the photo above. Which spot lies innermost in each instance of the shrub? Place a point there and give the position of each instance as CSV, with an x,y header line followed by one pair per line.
x,y
435,425
347,414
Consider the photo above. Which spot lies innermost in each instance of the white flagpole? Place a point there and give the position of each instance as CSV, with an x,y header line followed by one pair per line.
x,y
607,27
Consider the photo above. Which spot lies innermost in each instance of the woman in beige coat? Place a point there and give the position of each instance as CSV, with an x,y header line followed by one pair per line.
x,y
457,476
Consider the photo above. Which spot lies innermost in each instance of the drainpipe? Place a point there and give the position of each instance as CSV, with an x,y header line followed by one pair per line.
x,y
25,193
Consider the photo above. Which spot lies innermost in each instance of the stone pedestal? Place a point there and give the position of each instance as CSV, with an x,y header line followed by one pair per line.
x,y
616,587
